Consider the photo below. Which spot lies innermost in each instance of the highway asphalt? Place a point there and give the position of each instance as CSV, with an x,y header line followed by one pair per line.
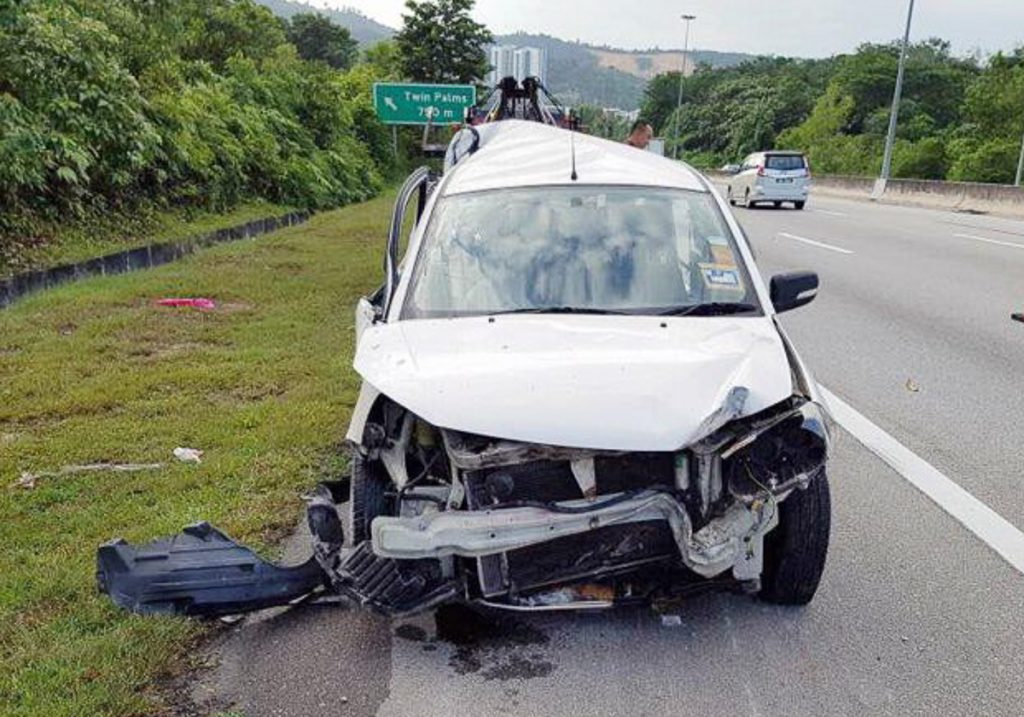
x,y
915,615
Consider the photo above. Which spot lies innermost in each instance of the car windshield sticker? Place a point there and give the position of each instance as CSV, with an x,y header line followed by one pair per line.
x,y
721,276
720,252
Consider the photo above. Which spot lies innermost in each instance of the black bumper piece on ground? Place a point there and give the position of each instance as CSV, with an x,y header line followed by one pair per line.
x,y
199,572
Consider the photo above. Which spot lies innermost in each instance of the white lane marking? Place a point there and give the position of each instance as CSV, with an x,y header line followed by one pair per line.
x,y
989,241
812,242
830,213
997,532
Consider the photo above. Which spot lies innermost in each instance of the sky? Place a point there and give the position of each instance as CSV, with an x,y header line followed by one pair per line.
x,y
804,28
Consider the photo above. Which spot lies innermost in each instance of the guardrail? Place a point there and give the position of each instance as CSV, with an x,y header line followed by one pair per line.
x,y
140,258
954,196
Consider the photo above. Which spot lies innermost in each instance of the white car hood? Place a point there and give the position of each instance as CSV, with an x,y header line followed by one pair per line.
x,y
601,382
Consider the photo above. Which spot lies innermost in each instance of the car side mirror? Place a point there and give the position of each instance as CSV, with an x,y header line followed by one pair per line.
x,y
793,290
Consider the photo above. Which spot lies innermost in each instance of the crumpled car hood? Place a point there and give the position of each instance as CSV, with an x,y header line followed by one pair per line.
x,y
621,383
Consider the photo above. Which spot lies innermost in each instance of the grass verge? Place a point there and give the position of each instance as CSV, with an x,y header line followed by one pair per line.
x,y
100,235
94,372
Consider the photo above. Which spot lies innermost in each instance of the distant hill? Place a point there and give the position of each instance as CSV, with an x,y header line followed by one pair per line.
x,y
606,76
648,63
578,73
363,29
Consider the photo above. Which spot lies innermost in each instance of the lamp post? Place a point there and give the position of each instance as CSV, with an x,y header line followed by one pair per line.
x,y
1020,165
890,139
682,74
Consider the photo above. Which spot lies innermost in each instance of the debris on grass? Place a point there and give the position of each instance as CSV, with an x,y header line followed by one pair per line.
x,y
28,480
188,455
201,304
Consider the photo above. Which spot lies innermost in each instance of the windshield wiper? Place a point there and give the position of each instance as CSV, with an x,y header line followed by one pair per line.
x,y
560,310
713,308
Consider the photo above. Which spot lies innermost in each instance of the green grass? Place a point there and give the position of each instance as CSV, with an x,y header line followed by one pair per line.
x,y
76,241
94,372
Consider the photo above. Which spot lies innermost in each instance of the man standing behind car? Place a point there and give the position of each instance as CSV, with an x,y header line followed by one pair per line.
x,y
640,135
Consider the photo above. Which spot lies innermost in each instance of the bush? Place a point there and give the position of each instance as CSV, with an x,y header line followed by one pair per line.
x,y
993,160
197,102
921,160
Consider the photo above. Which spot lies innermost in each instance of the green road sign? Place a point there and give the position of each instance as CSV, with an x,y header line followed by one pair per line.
x,y
422,104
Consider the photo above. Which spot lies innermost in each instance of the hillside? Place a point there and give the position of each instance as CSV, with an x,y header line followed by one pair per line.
x,y
648,64
363,29
606,76
575,76
578,73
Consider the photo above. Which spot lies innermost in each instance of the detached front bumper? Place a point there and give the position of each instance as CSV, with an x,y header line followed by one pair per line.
x,y
725,542
202,572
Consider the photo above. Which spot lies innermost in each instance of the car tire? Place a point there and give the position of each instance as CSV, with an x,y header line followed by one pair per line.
x,y
367,497
728,195
799,205
777,205
746,200
795,551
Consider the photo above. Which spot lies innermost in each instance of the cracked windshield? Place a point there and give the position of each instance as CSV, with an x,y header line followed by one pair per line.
x,y
613,249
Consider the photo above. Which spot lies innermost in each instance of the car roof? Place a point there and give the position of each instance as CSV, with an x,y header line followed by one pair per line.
x,y
518,153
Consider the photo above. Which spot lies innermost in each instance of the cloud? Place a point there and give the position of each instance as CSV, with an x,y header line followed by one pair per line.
x,y
806,28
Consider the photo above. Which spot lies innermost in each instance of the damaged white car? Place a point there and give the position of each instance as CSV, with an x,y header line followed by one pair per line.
x,y
576,394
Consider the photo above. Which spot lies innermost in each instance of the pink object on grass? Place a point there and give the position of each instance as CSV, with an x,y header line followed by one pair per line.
x,y
201,304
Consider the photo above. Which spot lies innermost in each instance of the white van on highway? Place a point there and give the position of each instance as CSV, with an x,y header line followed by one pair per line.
x,y
771,178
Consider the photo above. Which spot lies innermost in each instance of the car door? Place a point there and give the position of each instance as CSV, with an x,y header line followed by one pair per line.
x,y
374,308
745,177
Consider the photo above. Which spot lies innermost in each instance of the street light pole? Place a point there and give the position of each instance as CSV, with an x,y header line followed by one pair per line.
x,y
682,75
1020,165
890,139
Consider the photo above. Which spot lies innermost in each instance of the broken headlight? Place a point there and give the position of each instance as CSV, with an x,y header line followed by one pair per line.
x,y
786,451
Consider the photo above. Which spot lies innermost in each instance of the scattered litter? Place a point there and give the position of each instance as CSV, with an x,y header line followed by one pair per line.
x,y
671,621
188,455
912,386
29,480
1018,317
201,304
231,619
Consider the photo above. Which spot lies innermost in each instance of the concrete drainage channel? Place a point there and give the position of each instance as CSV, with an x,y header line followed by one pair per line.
x,y
140,258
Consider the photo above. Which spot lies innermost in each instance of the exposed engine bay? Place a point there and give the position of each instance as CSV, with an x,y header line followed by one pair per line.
x,y
515,524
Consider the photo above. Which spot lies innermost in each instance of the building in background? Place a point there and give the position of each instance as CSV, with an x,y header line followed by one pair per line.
x,y
502,61
518,62
531,62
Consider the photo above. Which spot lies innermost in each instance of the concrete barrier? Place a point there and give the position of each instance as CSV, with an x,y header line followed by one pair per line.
x,y
953,196
957,196
143,257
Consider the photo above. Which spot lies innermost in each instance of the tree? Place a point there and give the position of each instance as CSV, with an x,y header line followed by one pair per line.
x,y
319,39
385,59
440,42
218,30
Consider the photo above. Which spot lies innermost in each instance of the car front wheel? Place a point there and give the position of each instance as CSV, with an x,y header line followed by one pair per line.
x,y
798,205
368,497
794,552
